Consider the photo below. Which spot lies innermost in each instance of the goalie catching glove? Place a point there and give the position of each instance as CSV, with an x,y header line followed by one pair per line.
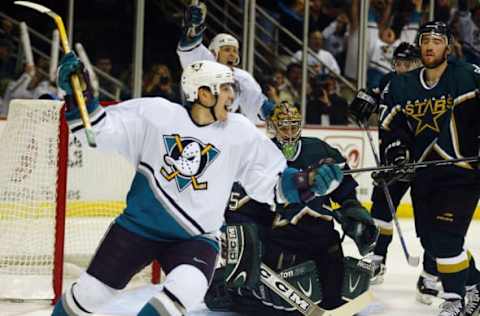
x,y
302,186
357,224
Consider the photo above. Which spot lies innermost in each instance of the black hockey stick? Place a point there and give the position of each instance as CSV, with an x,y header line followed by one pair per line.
x,y
415,165
303,303
413,261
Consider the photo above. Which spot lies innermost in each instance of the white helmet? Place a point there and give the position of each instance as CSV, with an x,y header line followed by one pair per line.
x,y
223,39
204,73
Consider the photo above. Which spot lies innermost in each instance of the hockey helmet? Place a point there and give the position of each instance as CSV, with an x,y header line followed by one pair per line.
x,y
223,39
406,51
436,28
205,73
286,124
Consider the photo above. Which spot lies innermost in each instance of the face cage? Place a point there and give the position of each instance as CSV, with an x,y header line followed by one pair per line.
x,y
288,131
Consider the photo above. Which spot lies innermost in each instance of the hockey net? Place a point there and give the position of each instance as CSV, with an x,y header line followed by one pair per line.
x,y
49,227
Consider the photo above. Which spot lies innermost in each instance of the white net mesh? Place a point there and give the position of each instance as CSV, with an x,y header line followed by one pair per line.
x,y
97,184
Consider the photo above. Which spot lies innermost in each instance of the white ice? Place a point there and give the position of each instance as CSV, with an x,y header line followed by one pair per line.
x,y
395,297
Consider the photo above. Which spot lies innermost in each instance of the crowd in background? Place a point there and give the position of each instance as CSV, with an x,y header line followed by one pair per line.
x,y
333,37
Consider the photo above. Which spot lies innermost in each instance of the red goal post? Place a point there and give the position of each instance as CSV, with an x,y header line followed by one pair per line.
x,y
57,198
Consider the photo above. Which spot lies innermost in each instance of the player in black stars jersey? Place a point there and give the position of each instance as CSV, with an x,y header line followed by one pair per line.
x,y
434,113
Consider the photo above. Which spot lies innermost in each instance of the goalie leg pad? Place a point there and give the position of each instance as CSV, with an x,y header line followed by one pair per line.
x,y
243,255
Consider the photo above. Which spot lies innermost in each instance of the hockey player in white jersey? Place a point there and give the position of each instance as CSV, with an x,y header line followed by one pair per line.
x,y
186,160
224,48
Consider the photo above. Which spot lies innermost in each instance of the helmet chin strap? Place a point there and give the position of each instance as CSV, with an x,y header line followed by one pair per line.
x,y
211,109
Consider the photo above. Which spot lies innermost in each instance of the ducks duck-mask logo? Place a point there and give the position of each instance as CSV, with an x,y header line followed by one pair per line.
x,y
187,158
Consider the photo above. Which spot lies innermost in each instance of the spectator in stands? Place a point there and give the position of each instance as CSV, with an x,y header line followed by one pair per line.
x,y
381,57
469,20
277,89
442,11
407,20
32,84
293,83
291,17
158,83
321,14
323,61
335,40
324,105
7,60
104,63
7,30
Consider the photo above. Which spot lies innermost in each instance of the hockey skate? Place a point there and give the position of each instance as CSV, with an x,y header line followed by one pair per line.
x,y
379,269
472,298
453,306
427,287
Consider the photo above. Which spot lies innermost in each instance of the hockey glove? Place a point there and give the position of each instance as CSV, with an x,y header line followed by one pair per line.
x,y
397,153
363,106
319,179
357,224
194,19
266,110
70,64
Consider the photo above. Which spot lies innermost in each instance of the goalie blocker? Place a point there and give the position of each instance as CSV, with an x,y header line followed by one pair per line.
x,y
247,285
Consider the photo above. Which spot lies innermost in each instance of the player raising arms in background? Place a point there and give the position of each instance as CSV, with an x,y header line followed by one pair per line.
x,y
299,241
434,113
406,58
186,160
223,48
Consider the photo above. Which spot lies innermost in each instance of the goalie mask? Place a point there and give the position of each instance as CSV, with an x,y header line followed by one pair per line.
x,y
224,39
286,123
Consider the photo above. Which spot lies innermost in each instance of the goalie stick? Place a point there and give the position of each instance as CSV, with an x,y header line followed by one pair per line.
x,y
302,303
75,81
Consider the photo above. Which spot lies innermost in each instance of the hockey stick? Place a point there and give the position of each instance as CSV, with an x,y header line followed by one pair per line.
x,y
304,304
415,165
413,261
74,79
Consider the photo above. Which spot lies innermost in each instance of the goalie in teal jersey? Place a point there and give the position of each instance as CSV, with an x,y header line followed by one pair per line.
x,y
434,113
297,241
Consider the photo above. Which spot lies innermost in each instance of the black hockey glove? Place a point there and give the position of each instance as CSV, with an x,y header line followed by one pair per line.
x,y
357,224
194,19
397,153
363,106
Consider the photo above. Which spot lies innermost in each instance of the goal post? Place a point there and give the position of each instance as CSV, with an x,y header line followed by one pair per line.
x,y
57,199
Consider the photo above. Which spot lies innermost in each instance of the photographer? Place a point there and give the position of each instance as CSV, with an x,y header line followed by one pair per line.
x,y
158,83
324,105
